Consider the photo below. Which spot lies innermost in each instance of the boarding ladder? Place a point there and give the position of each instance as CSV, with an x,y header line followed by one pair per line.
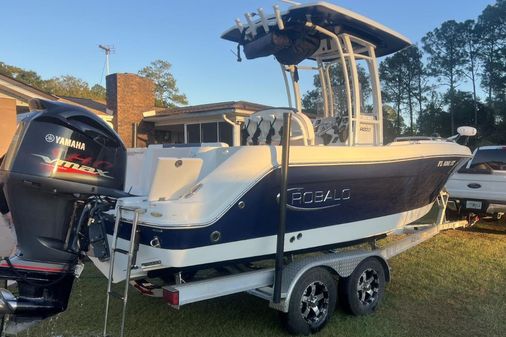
x,y
131,254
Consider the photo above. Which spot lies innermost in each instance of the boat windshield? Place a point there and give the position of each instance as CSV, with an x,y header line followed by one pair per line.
x,y
346,91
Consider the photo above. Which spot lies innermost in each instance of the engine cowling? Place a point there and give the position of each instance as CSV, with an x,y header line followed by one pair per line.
x,y
60,156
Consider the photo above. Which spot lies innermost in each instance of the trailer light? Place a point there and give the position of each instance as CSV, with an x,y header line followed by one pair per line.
x,y
171,296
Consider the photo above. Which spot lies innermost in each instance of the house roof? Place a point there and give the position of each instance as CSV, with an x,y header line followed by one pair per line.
x,y
25,92
203,113
21,90
232,105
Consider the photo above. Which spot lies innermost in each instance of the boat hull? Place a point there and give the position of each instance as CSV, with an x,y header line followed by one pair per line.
x,y
327,205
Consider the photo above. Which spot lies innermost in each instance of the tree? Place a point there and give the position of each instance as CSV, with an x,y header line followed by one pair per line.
x,y
413,81
166,92
491,29
471,39
27,76
403,77
393,124
392,73
97,92
312,101
422,86
464,107
67,85
446,48
434,120
490,130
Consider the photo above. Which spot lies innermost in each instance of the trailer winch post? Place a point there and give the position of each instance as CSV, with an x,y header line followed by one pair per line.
x,y
280,248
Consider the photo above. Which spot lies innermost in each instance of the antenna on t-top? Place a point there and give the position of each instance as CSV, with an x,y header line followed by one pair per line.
x,y
108,49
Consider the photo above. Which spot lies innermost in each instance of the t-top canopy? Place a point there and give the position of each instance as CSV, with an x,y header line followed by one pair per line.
x,y
328,16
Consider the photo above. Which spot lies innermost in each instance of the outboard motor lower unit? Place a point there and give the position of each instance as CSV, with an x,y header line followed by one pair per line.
x,y
62,159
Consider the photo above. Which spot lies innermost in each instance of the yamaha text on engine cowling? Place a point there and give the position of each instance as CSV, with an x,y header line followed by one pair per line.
x,y
63,165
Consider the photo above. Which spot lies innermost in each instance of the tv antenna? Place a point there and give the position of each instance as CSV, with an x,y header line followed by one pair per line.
x,y
108,49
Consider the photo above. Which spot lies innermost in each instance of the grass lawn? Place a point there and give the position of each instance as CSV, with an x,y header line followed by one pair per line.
x,y
451,285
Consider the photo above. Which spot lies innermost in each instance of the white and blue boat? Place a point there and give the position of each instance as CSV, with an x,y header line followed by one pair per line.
x,y
70,183
211,204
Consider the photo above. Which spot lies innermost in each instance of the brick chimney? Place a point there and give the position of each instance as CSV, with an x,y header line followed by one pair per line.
x,y
128,96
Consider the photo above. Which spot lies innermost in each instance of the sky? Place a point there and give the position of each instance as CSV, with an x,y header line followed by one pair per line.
x,y
57,37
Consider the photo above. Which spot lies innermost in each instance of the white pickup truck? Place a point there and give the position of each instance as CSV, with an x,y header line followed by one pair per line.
x,y
478,188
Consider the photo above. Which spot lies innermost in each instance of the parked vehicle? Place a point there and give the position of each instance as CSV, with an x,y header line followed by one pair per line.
x,y
478,187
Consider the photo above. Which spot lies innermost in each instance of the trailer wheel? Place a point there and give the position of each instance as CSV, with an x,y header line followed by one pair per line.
x,y
362,291
312,302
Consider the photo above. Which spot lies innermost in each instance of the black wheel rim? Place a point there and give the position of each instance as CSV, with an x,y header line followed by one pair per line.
x,y
368,287
314,304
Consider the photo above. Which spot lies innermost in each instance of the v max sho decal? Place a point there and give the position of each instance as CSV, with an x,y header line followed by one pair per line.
x,y
65,166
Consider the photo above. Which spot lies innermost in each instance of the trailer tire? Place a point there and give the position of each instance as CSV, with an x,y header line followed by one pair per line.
x,y
312,302
362,292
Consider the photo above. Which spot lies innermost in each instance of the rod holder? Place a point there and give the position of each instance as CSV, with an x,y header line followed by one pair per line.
x,y
264,19
279,19
239,25
251,24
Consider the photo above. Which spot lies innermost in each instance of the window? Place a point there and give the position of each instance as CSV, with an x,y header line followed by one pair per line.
x,y
172,134
209,132
193,133
225,133
490,159
366,82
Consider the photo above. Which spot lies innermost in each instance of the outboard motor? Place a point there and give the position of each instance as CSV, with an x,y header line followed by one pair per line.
x,y
61,160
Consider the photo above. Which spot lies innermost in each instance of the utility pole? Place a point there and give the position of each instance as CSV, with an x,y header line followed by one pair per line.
x,y
107,50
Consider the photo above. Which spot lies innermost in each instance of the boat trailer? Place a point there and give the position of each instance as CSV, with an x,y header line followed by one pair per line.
x,y
309,281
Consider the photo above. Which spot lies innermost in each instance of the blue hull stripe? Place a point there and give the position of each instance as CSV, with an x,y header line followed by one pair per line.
x,y
340,194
